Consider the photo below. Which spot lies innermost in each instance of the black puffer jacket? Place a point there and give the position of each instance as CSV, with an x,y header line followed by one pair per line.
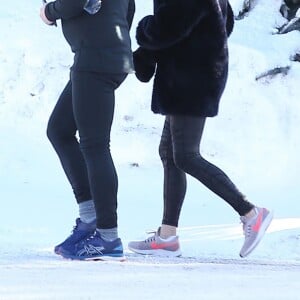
x,y
101,42
186,40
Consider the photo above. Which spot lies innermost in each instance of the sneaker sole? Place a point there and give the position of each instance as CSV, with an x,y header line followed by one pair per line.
x,y
111,257
106,258
157,252
264,226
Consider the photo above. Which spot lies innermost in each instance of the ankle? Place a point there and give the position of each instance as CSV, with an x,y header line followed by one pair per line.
x,y
87,212
167,231
251,213
108,235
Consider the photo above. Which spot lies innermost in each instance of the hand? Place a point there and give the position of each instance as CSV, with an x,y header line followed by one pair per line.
x,y
43,16
144,64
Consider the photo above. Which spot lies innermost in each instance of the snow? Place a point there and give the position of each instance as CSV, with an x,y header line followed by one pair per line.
x,y
255,139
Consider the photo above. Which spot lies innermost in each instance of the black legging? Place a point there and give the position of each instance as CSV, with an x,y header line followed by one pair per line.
x,y
179,152
87,105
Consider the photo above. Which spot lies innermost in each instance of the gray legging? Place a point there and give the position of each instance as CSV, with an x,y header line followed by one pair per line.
x,y
179,152
87,105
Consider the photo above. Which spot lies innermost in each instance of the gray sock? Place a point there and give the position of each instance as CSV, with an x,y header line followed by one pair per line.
x,y
87,212
108,234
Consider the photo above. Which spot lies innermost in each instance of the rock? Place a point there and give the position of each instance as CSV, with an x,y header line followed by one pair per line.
x,y
290,9
247,6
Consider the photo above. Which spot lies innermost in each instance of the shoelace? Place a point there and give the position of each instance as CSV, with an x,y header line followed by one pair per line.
x,y
88,239
151,238
247,230
74,229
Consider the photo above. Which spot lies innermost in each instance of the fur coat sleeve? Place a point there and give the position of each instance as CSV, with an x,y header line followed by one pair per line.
x,y
172,21
144,64
230,19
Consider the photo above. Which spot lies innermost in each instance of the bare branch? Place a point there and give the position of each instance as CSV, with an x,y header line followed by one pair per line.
x,y
273,72
294,24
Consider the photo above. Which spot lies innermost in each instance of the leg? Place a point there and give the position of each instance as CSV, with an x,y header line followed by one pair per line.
x,y
186,136
93,106
174,179
186,133
165,241
61,132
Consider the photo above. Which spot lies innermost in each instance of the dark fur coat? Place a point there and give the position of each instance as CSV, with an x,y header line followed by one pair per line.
x,y
185,44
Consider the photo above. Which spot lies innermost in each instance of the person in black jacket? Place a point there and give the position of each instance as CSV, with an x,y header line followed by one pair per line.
x,y
185,45
98,34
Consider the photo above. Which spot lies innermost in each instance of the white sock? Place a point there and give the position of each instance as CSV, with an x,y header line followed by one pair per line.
x,y
167,231
251,214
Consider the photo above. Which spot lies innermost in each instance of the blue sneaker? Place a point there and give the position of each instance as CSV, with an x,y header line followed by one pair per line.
x,y
95,248
80,232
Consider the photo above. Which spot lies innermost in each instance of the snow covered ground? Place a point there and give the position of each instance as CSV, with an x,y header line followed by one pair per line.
x,y
255,139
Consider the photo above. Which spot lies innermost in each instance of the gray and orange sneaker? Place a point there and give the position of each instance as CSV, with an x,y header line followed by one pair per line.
x,y
155,245
254,229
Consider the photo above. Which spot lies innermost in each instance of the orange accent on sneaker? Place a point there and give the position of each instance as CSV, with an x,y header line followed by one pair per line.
x,y
165,246
258,222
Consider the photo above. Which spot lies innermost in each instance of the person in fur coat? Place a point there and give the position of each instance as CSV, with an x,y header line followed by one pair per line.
x,y
184,44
